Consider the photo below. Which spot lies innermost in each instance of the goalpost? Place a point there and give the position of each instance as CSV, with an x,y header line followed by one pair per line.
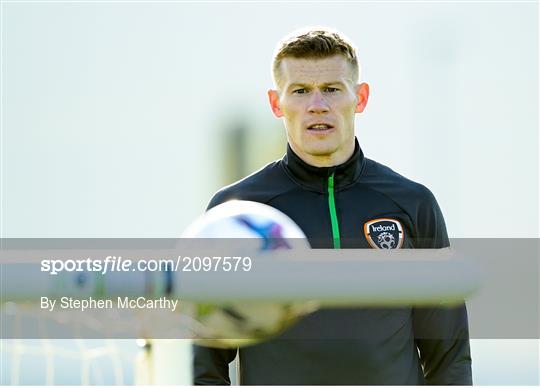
x,y
334,278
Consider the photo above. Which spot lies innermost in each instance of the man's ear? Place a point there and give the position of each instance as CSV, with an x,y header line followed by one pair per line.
x,y
362,92
273,98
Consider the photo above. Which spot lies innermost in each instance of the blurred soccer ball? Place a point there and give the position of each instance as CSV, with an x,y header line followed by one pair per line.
x,y
243,323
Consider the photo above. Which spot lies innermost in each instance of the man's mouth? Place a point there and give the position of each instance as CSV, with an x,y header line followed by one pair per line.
x,y
320,127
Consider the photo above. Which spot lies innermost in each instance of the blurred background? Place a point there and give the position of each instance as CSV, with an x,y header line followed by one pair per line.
x,y
121,119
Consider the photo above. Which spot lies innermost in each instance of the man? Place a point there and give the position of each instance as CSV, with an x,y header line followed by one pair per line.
x,y
341,199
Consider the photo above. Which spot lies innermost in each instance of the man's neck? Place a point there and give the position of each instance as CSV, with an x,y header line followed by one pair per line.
x,y
330,160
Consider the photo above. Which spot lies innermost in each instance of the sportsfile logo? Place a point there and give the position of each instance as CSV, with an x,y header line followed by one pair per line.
x,y
384,233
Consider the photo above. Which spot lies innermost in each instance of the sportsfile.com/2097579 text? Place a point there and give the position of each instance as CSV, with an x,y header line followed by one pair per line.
x,y
119,264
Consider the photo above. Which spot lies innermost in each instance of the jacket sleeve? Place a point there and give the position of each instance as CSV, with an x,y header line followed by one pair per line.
x,y
442,338
441,333
211,365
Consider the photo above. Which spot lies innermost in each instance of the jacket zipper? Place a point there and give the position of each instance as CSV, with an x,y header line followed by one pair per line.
x,y
333,215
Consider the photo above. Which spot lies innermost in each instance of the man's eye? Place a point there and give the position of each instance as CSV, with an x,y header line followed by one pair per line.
x,y
299,91
331,90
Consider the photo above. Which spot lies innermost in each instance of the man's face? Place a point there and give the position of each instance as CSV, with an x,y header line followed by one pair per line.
x,y
318,99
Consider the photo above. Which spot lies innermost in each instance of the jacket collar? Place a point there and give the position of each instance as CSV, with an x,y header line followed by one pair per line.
x,y
316,178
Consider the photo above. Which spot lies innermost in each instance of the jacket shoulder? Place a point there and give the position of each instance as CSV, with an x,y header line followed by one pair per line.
x,y
385,180
260,186
414,199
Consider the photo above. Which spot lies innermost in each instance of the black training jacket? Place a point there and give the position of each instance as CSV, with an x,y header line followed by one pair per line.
x,y
359,204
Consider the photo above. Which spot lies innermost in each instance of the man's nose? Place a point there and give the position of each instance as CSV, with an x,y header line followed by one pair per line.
x,y
318,103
